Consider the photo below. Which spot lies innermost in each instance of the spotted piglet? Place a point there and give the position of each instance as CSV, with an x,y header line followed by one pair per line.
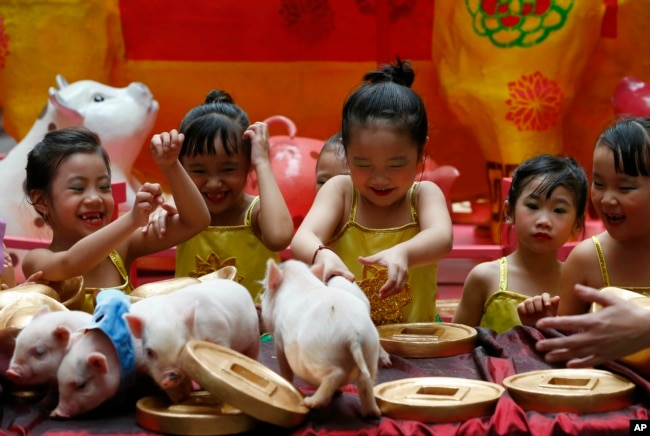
x,y
322,334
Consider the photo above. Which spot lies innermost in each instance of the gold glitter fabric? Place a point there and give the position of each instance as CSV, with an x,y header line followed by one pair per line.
x,y
388,310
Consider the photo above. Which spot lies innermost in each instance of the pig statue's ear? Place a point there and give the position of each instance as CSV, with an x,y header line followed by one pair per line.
x,y
135,323
318,269
62,335
98,361
273,275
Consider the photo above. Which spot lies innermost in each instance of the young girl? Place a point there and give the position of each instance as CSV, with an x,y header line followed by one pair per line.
x,y
69,184
546,205
220,149
620,193
331,161
377,225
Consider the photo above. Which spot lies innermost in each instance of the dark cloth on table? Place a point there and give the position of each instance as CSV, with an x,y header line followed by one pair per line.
x,y
495,357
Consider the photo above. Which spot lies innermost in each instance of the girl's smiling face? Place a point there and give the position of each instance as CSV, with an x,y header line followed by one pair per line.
x,y
622,201
383,163
220,178
80,199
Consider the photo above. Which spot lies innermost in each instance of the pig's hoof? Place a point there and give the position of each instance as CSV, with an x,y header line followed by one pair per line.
x,y
370,411
314,403
384,359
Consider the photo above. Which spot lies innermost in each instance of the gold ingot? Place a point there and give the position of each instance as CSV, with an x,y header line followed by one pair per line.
x,y
570,390
200,414
161,287
437,399
20,307
427,339
639,361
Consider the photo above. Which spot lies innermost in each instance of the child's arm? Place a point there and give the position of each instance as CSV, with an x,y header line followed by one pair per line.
x,y
431,244
619,329
8,277
192,213
320,224
89,251
579,266
273,219
476,289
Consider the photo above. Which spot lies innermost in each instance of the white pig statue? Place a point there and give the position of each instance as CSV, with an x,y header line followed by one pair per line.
x,y
322,334
101,361
220,311
41,345
123,119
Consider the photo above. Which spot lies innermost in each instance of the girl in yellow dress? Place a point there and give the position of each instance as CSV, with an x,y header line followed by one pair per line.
x,y
620,193
221,147
377,225
68,182
546,205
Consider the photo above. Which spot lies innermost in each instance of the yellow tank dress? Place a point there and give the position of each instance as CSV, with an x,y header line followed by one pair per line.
x,y
219,246
91,293
500,310
643,290
417,302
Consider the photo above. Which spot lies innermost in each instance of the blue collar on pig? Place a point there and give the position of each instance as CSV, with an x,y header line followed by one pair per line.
x,y
107,317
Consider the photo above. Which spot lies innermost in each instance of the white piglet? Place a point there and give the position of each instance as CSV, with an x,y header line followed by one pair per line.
x,y
322,334
220,311
41,345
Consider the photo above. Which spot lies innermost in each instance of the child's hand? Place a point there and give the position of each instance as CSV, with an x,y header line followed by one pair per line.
x,y
165,148
397,266
258,134
147,199
158,219
332,265
534,308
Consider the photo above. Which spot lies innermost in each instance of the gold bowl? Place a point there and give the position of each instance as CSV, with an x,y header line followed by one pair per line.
x,y
570,390
427,339
200,414
161,287
244,383
437,399
19,312
12,293
71,292
639,361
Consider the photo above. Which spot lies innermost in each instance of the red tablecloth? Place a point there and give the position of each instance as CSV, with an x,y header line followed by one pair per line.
x,y
495,357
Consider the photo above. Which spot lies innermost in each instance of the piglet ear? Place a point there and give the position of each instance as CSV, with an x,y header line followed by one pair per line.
x,y
273,275
136,324
98,362
62,335
42,311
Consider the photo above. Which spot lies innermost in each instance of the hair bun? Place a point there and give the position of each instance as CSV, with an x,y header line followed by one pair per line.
x,y
399,72
217,96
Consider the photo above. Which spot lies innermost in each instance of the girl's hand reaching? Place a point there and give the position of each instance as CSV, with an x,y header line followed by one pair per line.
x,y
534,308
158,219
147,199
165,148
332,265
258,134
396,264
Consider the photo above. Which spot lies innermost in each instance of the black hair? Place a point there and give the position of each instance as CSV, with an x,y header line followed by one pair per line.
x,y
555,171
45,158
334,145
629,140
386,95
218,116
